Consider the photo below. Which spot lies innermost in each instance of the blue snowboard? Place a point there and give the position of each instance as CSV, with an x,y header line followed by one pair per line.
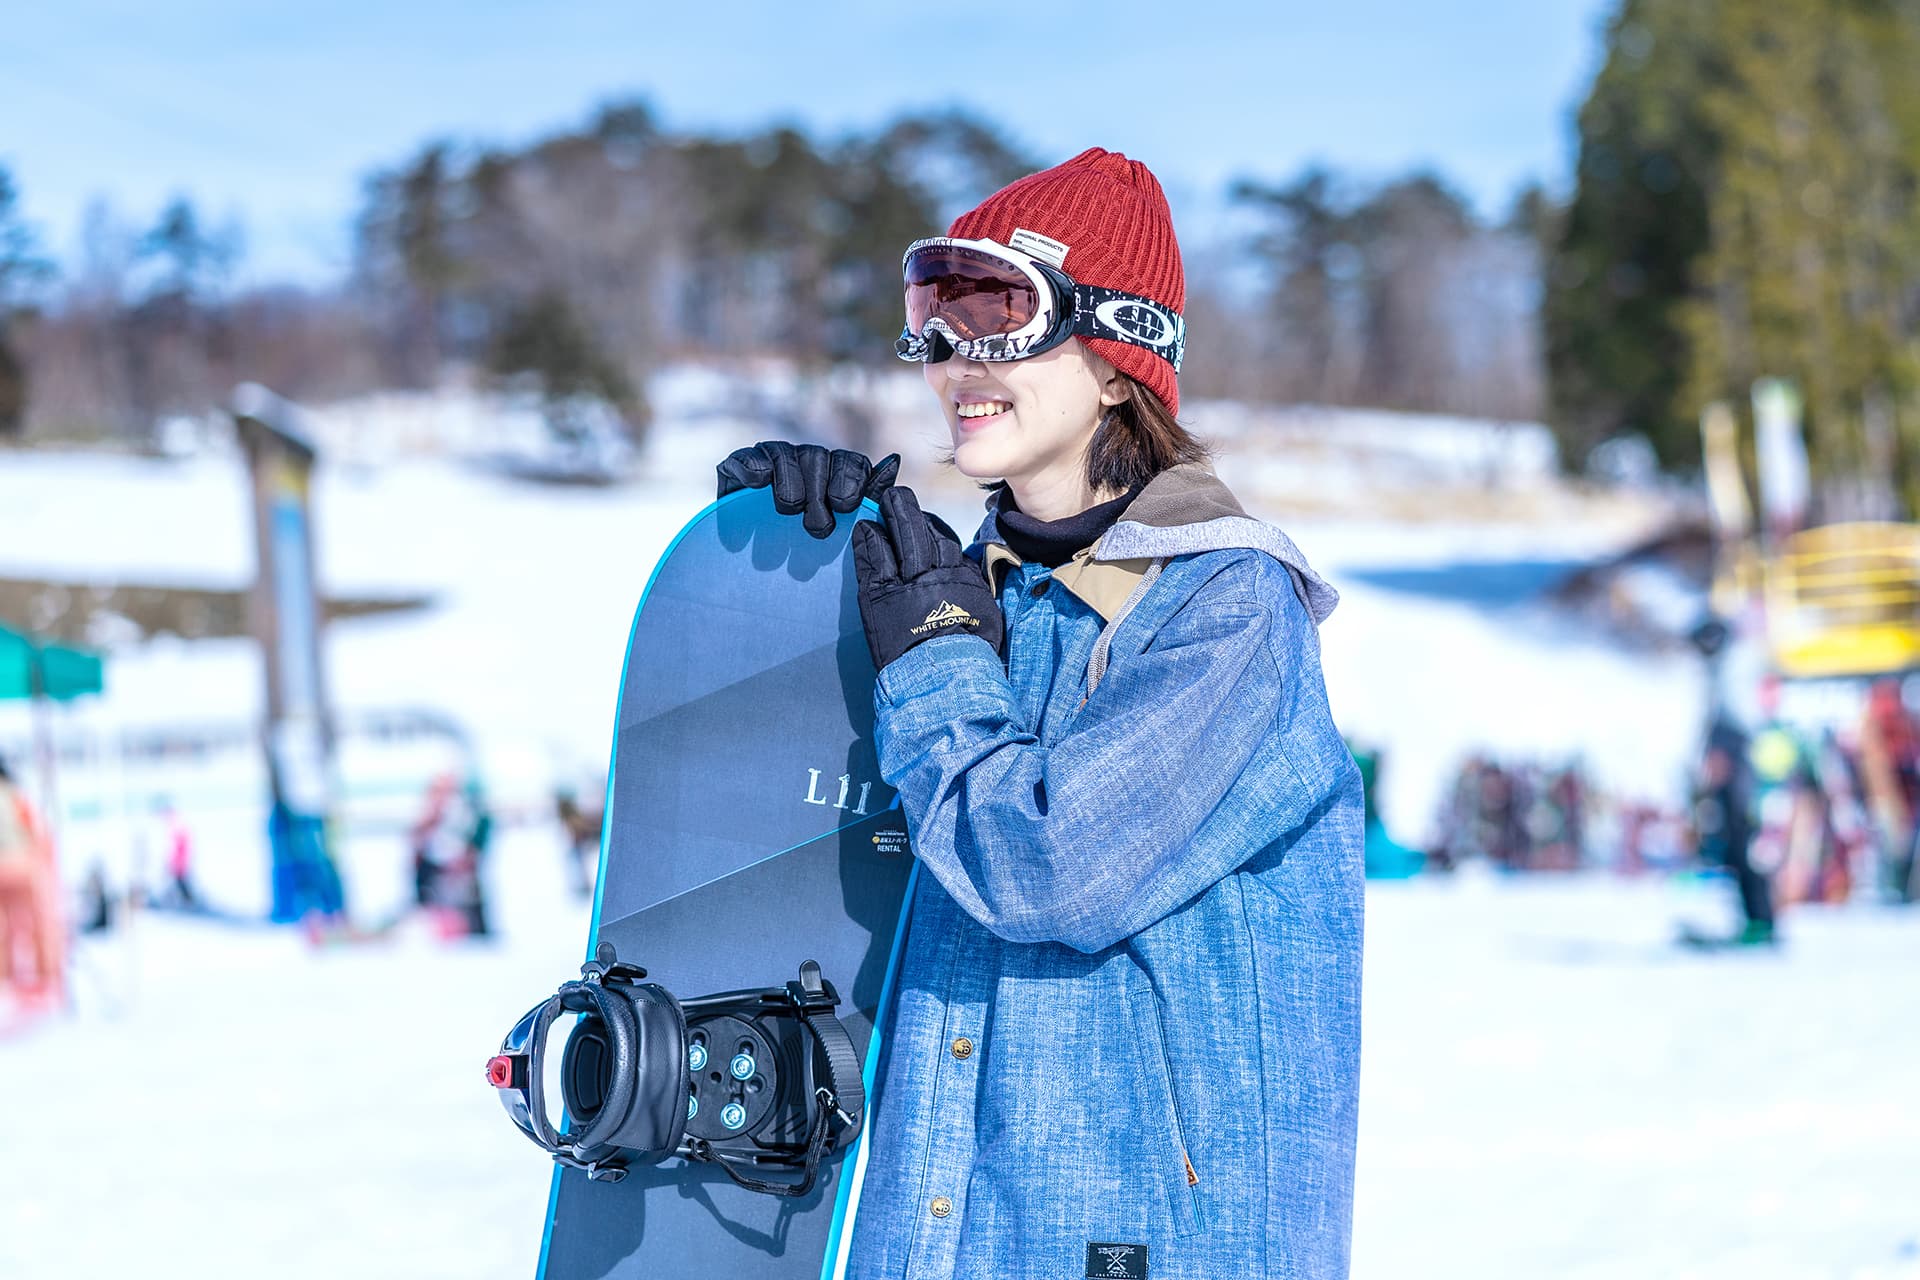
x,y
747,830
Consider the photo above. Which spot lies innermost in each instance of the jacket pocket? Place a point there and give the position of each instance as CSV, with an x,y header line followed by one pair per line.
x,y
1164,1145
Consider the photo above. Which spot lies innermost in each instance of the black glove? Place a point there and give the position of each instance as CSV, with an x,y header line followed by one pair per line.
x,y
916,582
806,478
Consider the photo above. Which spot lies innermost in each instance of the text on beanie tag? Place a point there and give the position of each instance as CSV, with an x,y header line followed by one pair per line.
x,y
1044,248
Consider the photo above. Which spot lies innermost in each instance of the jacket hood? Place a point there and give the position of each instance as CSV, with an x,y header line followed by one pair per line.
x,y
1182,511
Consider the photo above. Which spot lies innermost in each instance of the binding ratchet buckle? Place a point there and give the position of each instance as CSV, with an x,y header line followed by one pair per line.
x,y
756,1081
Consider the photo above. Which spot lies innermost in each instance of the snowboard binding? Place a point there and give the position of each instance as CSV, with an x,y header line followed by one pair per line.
x,y
752,1081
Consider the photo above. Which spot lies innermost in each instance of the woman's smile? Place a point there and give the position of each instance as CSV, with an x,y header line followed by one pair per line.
x,y
974,413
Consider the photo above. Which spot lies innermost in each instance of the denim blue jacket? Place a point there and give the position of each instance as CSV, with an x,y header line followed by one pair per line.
x,y
1127,1030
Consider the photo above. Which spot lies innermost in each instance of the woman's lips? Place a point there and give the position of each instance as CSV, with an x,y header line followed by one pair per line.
x,y
975,414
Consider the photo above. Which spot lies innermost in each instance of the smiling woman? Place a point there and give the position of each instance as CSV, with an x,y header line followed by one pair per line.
x,y
1105,435
1127,1029
1028,422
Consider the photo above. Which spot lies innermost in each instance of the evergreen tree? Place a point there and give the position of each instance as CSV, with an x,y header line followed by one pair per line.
x,y
1308,247
725,245
1748,205
22,271
546,340
1812,259
190,261
175,334
1406,235
1618,278
1395,296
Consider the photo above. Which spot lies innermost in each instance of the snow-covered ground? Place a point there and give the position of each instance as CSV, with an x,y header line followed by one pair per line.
x,y
1549,1090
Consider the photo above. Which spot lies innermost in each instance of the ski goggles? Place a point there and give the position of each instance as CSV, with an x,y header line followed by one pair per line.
x,y
984,301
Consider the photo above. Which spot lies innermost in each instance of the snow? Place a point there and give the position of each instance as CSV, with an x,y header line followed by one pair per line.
x,y
1550,1089
228,1102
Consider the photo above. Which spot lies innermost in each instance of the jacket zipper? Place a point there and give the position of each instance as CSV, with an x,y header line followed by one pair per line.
x,y
1173,1100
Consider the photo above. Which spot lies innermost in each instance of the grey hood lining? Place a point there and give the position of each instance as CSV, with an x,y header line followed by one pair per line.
x,y
1130,540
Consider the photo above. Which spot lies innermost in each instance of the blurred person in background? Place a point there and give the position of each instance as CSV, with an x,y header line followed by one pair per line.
x,y
1483,815
450,841
1848,839
479,846
1128,1023
312,880
1724,820
1788,846
1549,802
31,930
1387,858
1890,779
427,841
98,908
581,830
179,893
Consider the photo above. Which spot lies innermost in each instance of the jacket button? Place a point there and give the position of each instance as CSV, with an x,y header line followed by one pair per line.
x,y
963,1048
1040,587
940,1207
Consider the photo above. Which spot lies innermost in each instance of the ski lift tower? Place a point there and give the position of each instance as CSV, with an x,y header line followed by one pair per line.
x,y
285,611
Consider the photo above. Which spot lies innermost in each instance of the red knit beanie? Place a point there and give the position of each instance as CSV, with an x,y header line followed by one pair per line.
x,y
1112,216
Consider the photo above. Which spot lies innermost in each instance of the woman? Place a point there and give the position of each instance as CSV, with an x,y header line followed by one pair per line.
x,y
1127,1029
31,939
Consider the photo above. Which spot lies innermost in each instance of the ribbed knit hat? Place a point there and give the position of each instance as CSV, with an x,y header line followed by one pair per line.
x,y
1112,216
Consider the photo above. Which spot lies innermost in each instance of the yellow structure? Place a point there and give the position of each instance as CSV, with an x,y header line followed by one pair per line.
x,y
1844,600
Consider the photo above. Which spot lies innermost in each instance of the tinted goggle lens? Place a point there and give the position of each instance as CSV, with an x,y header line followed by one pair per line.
x,y
976,294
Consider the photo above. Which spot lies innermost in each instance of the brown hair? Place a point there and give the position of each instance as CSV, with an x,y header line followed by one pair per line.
x,y
1137,440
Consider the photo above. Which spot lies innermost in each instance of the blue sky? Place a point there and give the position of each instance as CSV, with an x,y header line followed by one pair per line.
x,y
274,113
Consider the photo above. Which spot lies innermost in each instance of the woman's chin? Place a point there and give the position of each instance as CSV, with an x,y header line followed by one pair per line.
x,y
978,460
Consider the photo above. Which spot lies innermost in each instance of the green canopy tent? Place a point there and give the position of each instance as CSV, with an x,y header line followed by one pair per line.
x,y
31,668
46,672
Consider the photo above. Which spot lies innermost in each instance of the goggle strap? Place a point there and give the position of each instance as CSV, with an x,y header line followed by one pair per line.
x,y
1127,317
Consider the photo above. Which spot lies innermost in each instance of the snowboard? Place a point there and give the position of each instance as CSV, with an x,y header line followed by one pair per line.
x,y
747,830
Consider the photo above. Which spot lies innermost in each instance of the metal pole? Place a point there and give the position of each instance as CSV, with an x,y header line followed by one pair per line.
x,y
44,748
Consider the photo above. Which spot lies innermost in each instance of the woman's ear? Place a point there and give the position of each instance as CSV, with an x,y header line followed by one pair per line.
x,y
1116,388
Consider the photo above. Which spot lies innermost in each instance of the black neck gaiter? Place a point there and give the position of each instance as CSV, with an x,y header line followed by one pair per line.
x,y
1053,542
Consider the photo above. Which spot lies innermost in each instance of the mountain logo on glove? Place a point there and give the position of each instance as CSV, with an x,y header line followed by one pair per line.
x,y
946,614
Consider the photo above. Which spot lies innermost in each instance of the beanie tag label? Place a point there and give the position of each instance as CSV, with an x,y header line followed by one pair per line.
x,y
1035,245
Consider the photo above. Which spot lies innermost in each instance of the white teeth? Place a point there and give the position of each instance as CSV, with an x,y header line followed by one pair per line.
x,y
982,410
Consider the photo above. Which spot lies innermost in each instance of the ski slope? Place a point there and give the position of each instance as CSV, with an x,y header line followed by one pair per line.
x,y
1549,1090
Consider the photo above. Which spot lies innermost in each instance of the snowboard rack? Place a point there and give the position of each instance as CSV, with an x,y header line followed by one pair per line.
x,y
643,1077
